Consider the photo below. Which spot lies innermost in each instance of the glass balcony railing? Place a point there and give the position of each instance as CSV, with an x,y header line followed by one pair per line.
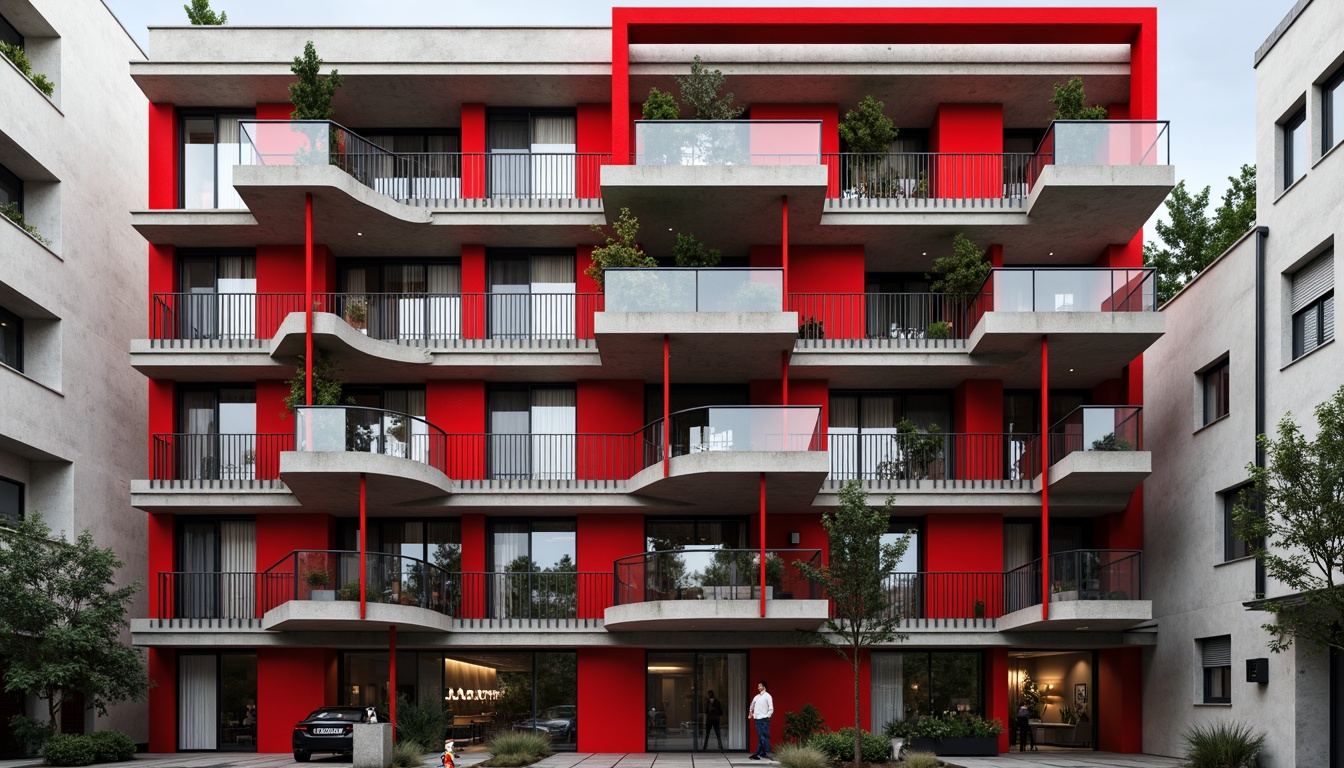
x,y
1012,289
1097,428
741,428
354,429
727,142
717,289
714,574
1106,142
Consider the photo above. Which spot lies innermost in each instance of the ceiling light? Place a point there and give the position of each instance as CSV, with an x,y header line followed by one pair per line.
x,y
1052,253
669,229
1080,629
361,234
1070,370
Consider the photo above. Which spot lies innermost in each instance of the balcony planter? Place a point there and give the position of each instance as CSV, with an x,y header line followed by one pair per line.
x,y
323,594
984,746
739,593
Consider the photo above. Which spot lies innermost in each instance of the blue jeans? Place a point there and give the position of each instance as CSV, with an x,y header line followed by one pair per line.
x,y
762,737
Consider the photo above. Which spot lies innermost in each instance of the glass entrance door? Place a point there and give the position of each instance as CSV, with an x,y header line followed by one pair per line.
x,y
677,710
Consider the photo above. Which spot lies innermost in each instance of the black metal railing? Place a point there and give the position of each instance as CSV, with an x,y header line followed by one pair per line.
x,y
928,175
944,595
714,574
208,595
1081,574
191,457
899,316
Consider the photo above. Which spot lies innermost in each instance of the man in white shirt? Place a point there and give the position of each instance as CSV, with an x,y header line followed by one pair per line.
x,y
762,707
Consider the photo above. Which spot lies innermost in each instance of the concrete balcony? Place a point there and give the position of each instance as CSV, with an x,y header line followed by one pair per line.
x,y
730,323
1097,458
715,590
1090,590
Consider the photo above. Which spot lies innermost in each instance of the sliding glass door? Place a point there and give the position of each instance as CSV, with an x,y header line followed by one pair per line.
x,y
532,434
677,690
217,702
210,150
532,296
531,155
219,298
218,440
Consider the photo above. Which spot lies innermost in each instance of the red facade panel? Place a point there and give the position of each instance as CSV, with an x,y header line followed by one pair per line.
x,y
964,543
473,151
1119,698
163,156
163,700
798,676
611,693
291,682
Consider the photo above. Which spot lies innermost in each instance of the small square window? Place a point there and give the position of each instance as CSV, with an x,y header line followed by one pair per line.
x,y
1216,657
1294,147
1313,304
11,339
1216,388
1234,547
11,501
11,189
1332,111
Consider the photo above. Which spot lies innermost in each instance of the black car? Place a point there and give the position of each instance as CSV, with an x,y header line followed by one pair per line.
x,y
560,723
328,729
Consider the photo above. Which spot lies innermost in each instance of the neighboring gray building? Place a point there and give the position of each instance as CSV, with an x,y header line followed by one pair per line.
x,y
71,411
1211,387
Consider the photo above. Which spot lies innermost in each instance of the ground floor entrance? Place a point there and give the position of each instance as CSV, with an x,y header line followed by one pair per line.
x,y
696,701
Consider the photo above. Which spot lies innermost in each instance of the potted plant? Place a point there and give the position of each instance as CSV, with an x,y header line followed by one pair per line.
x,y
774,577
941,329
867,134
898,731
349,591
317,581
357,313
920,454
812,328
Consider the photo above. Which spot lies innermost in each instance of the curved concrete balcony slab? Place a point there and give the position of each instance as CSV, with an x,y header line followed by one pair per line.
x,y
330,479
362,358
731,479
343,616
717,615
1079,616
1099,474
730,207
1086,341
705,346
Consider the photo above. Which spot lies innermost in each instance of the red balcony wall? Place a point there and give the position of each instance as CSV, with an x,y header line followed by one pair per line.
x,y
977,406
473,561
162,411
280,269
611,692
960,129
473,283
281,533
963,543
458,408
801,392
291,682
163,700
828,114
811,675
162,548
162,279
583,284
602,540
473,151
272,419
816,273
163,156
1119,700
609,416
275,111
995,687
594,137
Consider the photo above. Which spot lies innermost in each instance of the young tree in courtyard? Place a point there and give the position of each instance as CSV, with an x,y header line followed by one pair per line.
x,y
61,619
1294,515
854,580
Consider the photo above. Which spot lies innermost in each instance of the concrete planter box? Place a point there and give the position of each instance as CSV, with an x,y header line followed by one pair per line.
x,y
739,593
373,745
978,747
322,594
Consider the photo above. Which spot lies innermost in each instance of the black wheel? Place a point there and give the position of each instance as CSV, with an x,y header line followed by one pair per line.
x,y
302,755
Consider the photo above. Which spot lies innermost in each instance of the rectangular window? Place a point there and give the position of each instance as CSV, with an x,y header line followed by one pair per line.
x,y
1233,547
210,150
1332,111
11,189
532,434
1294,147
11,501
1216,386
1216,656
11,339
8,33
1313,304
531,296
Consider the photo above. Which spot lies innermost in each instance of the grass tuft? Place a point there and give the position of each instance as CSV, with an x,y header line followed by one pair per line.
x,y
1223,745
799,756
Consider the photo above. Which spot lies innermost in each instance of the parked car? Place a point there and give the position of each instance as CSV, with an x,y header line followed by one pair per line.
x,y
328,729
561,723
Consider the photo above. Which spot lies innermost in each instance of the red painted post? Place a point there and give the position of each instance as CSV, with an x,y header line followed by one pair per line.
x,y
1045,479
308,296
363,530
762,545
667,409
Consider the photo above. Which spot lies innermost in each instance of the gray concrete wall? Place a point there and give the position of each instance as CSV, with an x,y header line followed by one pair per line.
x,y
72,425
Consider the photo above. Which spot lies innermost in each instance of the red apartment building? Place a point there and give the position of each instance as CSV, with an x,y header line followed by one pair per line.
x,y
550,505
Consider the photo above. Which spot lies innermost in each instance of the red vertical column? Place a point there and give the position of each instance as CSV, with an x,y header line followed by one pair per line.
x,y
620,88
473,292
473,151
761,538
996,688
473,562
784,248
392,678
363,540
1045,478
163,700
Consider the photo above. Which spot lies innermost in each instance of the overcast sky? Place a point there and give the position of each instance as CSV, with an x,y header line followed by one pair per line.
x,y
1206,86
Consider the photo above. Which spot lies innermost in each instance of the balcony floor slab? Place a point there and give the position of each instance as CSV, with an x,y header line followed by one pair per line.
x,y
716,615
705,347
324,480
343,616
1079,615
1114,473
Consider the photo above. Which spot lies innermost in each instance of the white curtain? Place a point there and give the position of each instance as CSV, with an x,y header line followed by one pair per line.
x,y
197,716
1017,545
888,682
734,721
554,425
238,559
552,297
227,155
445,301
237,289
553,174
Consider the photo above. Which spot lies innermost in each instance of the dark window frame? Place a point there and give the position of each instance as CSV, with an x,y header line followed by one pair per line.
x,y
5,518
184,115
12,180
219,695
1295,122
696,520
10,33
1316,310
1214,677
7,316
1215,388
493,524
1331,133
1234,548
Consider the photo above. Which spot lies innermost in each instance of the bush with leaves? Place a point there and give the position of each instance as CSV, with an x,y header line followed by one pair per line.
x,y
660,105
29,734
1071,102
839,745
955,725
327,384
19,57
311,95
1191,239
962,274
1223,745
700,90
422,723
801,756
112,746
199,14
621,249
868,129
689,252
512,749
13,213
70,749
799,726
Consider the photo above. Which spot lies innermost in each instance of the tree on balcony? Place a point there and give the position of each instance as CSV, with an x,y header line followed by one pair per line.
x,y
1293,516
621,249
199,14
1071,102
61,620
854,581
700,90
311,95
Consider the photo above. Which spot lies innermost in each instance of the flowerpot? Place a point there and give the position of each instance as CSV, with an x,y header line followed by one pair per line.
x,y
896,746
322,594
987,746
1066,595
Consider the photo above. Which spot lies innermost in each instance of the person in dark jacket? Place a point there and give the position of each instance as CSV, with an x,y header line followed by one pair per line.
x,y
713,711
1024,733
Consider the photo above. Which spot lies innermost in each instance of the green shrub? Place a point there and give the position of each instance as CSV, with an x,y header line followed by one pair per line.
x,y
955,725
16,54
798,756
799,726
1223,745
839,745
420,723
940,330
69,749
518,748
897,729
660,106
689,252
407,753
112,746
29,734
922,760
12,213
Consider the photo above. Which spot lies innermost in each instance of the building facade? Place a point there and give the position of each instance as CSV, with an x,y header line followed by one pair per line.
x,y
1250,342
545,502
71,162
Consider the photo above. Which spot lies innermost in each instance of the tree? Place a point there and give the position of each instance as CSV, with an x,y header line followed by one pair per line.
x,y
311,95
854,581
326,384
660,106
689,252
700,89
621,250
962,274
1190,239
868,129
61,619
199,14
1070,102
1293,515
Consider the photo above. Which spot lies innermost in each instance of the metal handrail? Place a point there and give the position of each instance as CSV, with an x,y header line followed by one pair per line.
x,y
663,575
